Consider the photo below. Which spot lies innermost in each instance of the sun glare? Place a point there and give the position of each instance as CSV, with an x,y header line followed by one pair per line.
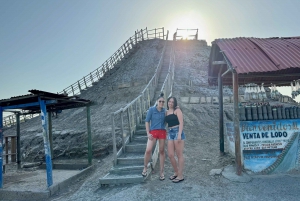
x,y
185,23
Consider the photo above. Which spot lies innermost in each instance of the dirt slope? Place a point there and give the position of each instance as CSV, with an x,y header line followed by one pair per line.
x,y
69,128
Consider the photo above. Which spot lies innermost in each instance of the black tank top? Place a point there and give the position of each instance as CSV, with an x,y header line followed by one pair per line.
x,y
172,120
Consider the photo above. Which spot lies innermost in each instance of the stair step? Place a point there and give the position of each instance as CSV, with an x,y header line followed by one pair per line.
x,y
141,139
131,158
113,179
126,169
141,127
132,148
141,132
135,143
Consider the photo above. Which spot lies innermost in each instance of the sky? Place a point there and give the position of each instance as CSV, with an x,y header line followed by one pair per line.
x,y
50,44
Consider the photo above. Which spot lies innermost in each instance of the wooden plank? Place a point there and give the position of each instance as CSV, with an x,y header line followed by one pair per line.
x,y
194,100
208,99
203,100
219,63
184,99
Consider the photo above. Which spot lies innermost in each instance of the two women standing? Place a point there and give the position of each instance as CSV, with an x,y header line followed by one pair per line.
x,y
156,118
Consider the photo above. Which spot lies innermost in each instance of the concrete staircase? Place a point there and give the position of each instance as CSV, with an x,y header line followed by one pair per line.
x,y
130,163
163,73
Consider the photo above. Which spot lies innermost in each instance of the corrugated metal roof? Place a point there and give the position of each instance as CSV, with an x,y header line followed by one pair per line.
x,y
261,55
258,56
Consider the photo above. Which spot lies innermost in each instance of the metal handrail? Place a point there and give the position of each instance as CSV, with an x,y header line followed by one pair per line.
x,y
141,103
97,74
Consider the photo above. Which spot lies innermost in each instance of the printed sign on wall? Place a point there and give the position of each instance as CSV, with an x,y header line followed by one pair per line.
x,y
262,142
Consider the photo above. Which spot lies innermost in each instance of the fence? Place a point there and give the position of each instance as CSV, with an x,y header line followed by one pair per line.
x,y
185,34
114,60
12,120
133,112
96,75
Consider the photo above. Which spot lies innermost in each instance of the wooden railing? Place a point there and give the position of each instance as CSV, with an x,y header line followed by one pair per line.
x,y
167,86
186,36
12,120
133,112
97,74
114,60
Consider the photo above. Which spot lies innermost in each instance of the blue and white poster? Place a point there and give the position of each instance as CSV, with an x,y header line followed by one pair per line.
x,y
267,143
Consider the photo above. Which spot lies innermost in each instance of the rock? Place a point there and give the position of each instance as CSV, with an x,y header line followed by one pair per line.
x,y
214,172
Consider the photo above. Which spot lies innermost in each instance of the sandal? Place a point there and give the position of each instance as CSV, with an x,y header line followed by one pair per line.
x,y
177,180
161,178
144,174
172,177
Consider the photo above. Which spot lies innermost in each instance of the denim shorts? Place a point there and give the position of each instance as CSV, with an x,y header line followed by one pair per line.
x,y
173,133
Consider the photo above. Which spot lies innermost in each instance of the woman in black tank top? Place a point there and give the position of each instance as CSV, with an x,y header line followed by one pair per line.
x,y
176,136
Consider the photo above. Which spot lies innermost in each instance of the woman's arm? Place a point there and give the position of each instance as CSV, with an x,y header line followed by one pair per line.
x,y
147,124
180,119
165,117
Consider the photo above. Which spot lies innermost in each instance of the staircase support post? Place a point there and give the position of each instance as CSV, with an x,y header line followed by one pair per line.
x,y
122,132
114,139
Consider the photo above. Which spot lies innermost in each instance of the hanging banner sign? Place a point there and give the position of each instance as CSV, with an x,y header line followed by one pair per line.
x,y
264,135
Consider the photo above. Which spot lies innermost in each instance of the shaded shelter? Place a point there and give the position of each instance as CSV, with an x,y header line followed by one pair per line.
x,y
251,60
44,103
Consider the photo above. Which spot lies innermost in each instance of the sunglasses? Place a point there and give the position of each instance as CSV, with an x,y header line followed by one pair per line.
x,y
161,101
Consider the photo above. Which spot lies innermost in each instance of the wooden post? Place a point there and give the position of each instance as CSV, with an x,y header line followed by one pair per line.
x,y
136,116
221,123
167,35
79,87
135,36
1,149
163,33
6,150
98,74
142,102
90,150
84,82
114,139
18,141
13,149
148,98
91,77
131,43
141,111
238,159
123,50
129,124
155,32
132,121
122,132
147,33
50,134
142,34
73,90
